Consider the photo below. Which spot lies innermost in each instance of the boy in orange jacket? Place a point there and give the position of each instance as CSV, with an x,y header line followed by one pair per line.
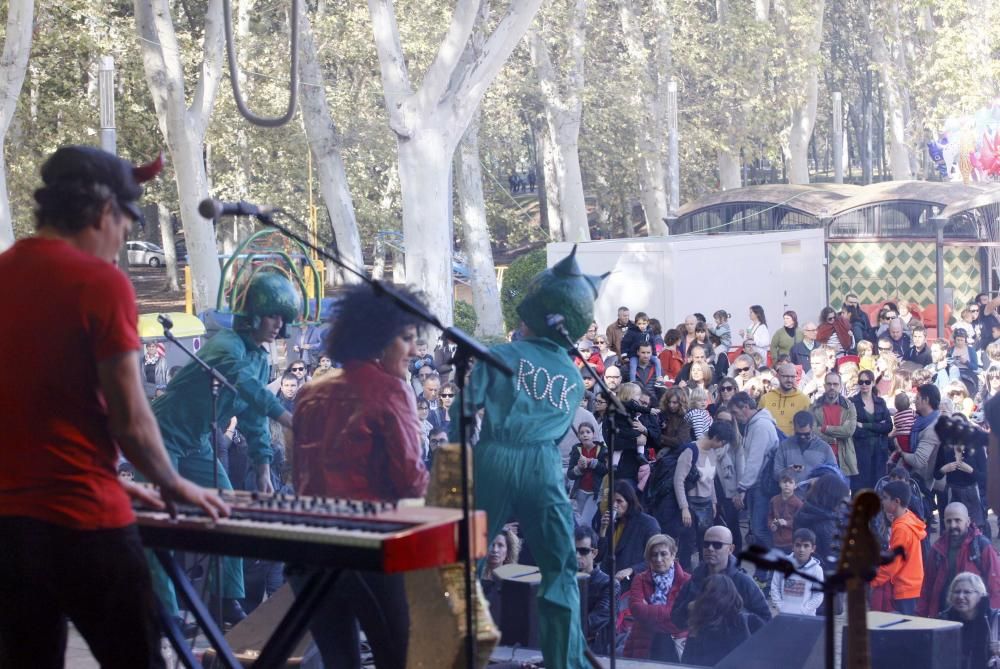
x,y
904,574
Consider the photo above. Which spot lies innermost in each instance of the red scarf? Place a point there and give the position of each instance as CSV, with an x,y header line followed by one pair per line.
x,y
842,328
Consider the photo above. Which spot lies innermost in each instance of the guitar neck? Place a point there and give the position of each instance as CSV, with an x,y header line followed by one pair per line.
x,y
857,627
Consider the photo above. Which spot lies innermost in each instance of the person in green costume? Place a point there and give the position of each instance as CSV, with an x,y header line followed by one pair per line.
x,y
517,465
184,411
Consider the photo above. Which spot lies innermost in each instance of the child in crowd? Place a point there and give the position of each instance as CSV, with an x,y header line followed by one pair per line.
x,y
866,356
782,510
698,417
902,424
423,359
794,594
587,467
722,329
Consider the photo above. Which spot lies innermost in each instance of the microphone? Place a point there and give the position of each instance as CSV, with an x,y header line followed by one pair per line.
x,y
165,321
558,323
212,208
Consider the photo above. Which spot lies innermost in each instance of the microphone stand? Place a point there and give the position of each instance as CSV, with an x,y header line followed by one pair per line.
x,y
216,381
615,406
467,348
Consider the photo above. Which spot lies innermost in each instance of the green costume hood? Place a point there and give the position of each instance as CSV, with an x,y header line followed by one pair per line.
x,y
269,294
565,290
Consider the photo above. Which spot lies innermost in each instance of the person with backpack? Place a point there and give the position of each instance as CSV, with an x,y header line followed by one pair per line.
x,y
694,487
960,548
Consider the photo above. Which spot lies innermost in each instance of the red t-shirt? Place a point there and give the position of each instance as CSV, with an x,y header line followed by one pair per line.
x,y
64,311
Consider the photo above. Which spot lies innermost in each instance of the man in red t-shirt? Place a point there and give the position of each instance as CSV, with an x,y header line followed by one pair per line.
x,y
71,548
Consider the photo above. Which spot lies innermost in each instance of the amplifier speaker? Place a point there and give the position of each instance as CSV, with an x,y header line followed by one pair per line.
x,y
915,643
519,604
247,638
786,641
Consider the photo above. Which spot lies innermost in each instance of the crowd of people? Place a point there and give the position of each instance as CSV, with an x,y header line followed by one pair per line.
x,y
776,429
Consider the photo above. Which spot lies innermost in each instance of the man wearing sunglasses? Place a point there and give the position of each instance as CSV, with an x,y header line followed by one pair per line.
x,y
598,582
717,558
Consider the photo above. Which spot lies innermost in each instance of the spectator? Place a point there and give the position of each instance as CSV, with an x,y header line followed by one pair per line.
x,y
787,336
674,429
632,529
902,424
651,602
718,623
687,333
645,369
794,594
918,353
288,389
881,526
900,340
694,486
608,355
942,368
656,332
866,356
757,329
591,355
986,319
924,441
799,353
886,315
969,605
961,403
803,451
727,475
744,368
587,468
871,441
696,356
836,420
820,513
759,438
324,366
417,381
701,338
966,321
612,377
580,418
632,435
961,548
423,411
697,416
448,393
962,353
786,400
436,440
886,368
991,386
782,510
848,370
905,574
637,333
671,361
717,558
835,331
722,329
600,631
616,331
504,549
811,382
726,389
964,470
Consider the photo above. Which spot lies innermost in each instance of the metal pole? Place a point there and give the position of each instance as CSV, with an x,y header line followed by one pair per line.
x,y
106,92
838,138
939,223
673,159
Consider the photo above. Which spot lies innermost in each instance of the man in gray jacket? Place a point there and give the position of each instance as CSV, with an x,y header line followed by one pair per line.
x,y
760,436
924,439
803,451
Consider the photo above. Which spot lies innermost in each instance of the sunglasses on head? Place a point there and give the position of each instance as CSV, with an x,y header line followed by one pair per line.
x,y
714,545
583,550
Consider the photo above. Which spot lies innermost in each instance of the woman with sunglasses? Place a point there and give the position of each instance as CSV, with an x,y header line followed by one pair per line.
x,y
964,355
742,370
991,386
871,437
608,355
835,330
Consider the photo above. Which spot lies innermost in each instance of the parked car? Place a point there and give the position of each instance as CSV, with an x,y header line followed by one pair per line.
x,y
145,253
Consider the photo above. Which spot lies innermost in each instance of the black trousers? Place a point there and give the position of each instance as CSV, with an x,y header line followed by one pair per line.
x,y
98,579
376,601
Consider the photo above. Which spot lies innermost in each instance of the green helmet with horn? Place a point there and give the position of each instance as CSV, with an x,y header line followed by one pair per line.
x,y
269,294
563,290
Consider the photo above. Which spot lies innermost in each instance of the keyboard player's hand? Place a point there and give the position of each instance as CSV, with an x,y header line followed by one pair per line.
x,y
186,492
147,496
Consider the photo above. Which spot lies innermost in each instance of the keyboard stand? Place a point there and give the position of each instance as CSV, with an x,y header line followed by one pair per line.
x,y
277,649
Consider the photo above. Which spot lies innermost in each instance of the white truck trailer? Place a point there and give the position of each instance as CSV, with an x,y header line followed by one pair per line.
x,y
671,277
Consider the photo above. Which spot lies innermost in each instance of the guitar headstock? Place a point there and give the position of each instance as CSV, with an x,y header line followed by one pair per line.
x,y
860,551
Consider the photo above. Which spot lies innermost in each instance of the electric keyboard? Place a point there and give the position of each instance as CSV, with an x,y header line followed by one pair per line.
x,y
318,531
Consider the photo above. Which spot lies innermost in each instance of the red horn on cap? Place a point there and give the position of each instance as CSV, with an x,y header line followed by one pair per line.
x,y
144,173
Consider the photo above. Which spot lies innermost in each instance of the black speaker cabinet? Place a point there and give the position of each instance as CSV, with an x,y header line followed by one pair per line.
x,y
785,641
519,604
913,643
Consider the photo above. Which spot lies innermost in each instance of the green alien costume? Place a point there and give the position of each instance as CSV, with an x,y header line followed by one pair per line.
x,y
184,412
517,465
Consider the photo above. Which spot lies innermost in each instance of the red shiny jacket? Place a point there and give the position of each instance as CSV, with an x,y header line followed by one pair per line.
x,y
357,436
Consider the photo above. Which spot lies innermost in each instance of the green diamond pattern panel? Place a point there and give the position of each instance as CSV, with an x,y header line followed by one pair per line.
x,y
900,270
